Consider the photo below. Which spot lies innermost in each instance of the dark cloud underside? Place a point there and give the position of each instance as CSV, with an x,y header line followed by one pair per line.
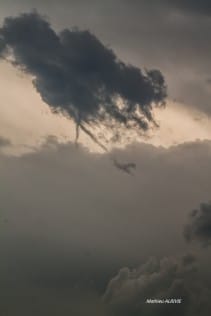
x,y
76,74
173,36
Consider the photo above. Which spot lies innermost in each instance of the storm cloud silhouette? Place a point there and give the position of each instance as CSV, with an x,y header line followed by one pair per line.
x,y
77,75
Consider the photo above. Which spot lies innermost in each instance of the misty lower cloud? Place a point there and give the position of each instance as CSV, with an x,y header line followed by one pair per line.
x,y
63,240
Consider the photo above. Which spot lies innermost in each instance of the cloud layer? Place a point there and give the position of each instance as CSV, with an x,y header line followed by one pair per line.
x,y
67,216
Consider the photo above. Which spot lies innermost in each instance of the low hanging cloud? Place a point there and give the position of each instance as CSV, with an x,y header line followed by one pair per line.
x,y
199,228
77,75
169,278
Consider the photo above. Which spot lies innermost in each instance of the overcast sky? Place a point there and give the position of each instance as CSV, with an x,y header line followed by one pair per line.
x,y
123,215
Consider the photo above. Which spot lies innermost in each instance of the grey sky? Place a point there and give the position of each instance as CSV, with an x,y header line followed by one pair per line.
x,y
72,226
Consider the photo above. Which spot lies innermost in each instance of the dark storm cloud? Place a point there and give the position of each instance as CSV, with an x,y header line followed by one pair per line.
x,y
199,228
173,36
152,34
75,73
168,278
